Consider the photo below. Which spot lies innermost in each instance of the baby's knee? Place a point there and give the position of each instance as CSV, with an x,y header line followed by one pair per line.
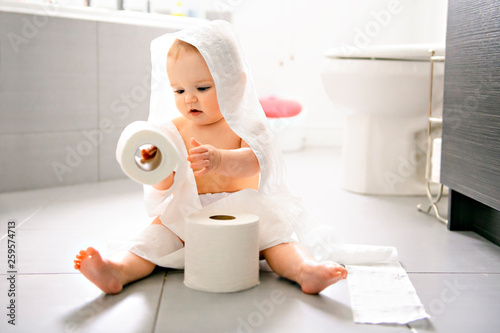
x,y
157,220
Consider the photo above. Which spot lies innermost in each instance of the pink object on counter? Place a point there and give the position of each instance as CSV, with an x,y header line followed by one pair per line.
x,y
275,107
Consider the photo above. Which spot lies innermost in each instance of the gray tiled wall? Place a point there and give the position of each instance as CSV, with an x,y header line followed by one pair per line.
x,y
67,89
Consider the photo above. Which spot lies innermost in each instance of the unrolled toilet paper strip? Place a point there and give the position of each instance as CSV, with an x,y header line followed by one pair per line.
x,y
380,289
383,293
436,160
153,170
222,254
355,254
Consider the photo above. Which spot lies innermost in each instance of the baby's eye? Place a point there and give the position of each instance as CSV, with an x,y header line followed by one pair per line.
x,y
203,88
179,91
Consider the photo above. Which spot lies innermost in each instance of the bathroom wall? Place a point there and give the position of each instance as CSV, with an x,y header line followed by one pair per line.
x,y
273,31
68,87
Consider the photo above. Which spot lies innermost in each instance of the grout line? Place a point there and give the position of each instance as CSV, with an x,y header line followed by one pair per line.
x,y
471,273
65,131
97,86
41,207
68,188
33,214
5,274
159,301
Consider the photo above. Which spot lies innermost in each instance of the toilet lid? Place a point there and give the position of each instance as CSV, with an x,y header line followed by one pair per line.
x,y
408,52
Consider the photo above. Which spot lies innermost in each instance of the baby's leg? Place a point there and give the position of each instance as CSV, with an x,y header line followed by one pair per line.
x,y
110,275
292,261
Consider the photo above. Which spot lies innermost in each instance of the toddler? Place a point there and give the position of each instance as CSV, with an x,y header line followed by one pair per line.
x,y
223,136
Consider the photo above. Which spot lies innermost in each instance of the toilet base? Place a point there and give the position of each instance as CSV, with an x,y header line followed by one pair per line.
x,y
384,155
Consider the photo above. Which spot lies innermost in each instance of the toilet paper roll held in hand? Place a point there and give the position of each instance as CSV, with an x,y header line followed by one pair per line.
x,y
137,136
222,252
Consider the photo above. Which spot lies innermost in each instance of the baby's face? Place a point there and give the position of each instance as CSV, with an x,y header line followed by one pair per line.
x,y
194,88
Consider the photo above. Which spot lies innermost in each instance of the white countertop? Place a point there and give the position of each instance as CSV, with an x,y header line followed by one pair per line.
x,y
100,14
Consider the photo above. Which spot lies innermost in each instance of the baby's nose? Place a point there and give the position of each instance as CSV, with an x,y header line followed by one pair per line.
x,y
190,98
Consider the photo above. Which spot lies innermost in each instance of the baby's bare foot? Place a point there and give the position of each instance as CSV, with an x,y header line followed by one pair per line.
x,y
101,272
317,276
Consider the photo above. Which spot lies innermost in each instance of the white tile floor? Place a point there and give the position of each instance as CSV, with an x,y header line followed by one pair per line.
x,y
456,274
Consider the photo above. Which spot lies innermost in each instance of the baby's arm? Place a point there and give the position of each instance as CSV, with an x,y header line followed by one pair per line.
x,y
236,163
166,183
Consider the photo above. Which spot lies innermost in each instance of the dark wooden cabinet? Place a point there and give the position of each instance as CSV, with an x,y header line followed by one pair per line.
x,y
470,164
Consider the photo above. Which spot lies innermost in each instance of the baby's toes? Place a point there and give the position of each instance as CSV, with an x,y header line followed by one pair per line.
x,y
343,272
338,272
91,252
82,254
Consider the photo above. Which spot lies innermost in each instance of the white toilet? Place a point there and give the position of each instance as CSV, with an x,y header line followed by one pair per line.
x,y
384,93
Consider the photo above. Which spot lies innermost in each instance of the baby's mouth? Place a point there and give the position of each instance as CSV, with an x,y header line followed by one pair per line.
x,y
195,112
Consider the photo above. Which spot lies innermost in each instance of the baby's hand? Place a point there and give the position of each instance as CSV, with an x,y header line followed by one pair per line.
x,y
203,158
148,153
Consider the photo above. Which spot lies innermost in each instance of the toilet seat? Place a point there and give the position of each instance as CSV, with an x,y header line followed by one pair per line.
x,y
404,52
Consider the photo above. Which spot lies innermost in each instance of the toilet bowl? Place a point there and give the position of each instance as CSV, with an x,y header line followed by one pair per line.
x,y
384,93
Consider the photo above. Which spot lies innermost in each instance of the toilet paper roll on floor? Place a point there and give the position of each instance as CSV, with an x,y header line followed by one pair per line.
x,y
222,252
137,136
